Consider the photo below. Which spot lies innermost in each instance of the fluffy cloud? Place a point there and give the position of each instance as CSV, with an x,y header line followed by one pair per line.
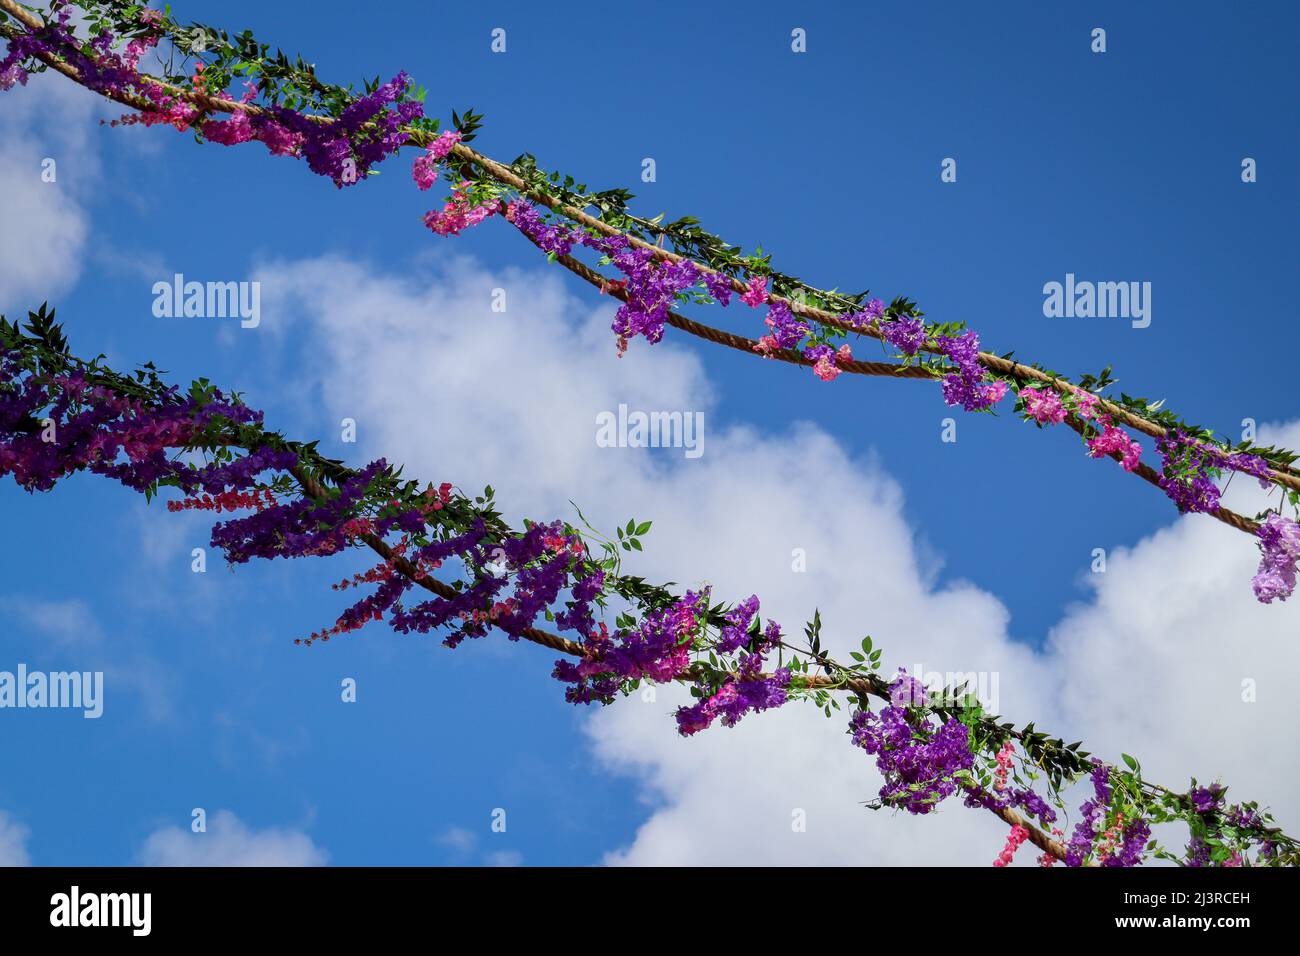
x,y
1151,665
1174,656
45,222
230,842
13,842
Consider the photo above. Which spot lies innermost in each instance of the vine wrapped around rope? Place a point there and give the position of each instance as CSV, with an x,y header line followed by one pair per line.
x,y
60,415
343,135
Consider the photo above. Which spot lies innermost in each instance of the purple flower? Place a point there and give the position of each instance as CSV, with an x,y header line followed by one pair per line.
x,y
719,287
787,331
906,334
917,760
1093,813
1131,848
1279,545
1206,799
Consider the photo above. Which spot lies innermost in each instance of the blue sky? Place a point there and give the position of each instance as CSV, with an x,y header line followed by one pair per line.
x,y
1119,166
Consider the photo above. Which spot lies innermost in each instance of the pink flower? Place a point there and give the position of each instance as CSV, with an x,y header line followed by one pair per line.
x,y
441,147
826,369
1044,407
1017,836
1047,860
994,392
424,171
279,139
844,355
698,719
137,49
457,214
1086,402
238,129
766,345
425,168
1115,440
756,294
1004,759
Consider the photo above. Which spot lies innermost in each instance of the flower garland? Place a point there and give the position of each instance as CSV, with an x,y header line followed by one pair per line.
x,y
349,135
60,415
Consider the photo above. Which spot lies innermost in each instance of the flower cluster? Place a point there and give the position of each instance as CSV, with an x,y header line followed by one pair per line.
x,y
243,127
1046,406
1209,843
918,760
1093,814
785,330
660,648
99,67
657,649
747,689
258,498
968,385
1015,838
369,130
1191,468
907,334
1043,405
459,212
1124,843
425,168
343,148
1047,860
1006,795
653,285
1004,759
1279,544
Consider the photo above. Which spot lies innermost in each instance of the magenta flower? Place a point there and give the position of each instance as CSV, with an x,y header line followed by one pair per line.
x,y
1113,440
756,295
1044,407
457,214
425,168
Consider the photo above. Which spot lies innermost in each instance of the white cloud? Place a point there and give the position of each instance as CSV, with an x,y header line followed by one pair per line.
x,y
1165,656
13,842
69,632
230,842
45,222
458,839
464,845
1151,665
